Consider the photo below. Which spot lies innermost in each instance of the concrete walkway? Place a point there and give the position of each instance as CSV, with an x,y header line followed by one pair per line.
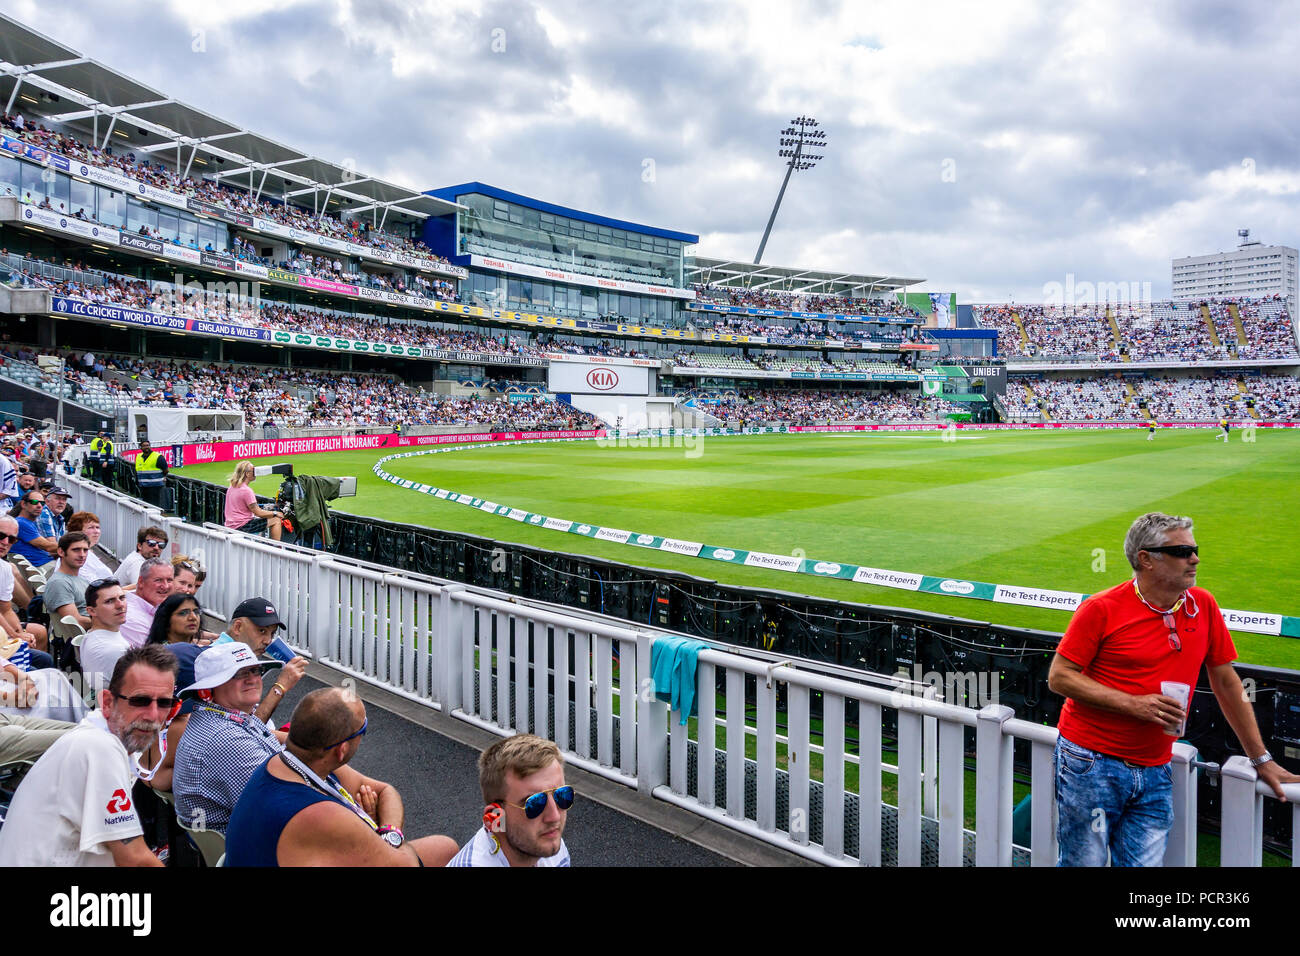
x,y
431,759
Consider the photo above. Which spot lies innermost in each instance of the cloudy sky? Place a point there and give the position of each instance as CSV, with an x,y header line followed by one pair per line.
x,y
989,148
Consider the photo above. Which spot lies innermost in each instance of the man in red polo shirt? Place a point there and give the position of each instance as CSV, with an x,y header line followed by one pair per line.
x,y
1117,730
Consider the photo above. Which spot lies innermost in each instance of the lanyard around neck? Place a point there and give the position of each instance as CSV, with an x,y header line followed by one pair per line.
x,y
312,780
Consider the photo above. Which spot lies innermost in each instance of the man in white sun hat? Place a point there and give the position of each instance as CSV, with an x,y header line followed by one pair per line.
x,y
224,741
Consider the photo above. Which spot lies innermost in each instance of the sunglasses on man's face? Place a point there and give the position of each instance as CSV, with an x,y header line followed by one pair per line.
x,y
1177,550
142,701
536,803
11,538
151,542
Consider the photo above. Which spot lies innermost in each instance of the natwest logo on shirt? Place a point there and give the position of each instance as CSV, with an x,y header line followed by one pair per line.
x,y
602,379
119,802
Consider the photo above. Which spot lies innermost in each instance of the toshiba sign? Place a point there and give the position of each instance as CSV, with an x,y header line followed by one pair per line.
x,y
602,379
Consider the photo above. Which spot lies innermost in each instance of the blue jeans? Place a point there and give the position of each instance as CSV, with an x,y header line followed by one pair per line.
x,y
1104,803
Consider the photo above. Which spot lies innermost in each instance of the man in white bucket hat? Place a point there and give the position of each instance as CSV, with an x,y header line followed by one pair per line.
x,y
224,741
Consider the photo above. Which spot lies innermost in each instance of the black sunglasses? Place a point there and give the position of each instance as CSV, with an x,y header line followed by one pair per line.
x,y
1177,550
144,700
11,538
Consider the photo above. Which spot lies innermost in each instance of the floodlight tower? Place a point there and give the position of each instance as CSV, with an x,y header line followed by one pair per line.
x,y
800,142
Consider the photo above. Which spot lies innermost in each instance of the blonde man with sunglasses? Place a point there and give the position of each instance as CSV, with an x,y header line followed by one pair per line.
x,y
526,805
1125,653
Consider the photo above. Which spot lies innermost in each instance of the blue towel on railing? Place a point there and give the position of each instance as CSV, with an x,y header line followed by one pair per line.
x,y
672,665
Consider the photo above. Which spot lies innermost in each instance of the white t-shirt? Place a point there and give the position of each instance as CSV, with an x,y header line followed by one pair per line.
x,y
100,650
478,852
74,800
94,569
128,572
6,580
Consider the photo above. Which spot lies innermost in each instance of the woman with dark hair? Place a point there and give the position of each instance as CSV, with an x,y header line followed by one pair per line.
x,y
176,621
176,626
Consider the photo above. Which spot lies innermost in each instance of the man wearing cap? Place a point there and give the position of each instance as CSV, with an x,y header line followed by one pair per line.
x,y
254,622
53,519
307,807
224,742
74,807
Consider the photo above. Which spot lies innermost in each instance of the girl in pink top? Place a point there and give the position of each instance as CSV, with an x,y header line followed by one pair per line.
x,y
243,513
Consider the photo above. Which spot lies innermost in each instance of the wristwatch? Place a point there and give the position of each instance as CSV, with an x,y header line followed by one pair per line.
x,y
1263,758
392,836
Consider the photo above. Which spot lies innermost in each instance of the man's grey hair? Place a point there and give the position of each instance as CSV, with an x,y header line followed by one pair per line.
x,y
7,520
1150,531
148,567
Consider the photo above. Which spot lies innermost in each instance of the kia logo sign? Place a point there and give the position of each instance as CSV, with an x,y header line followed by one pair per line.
x,y
602,379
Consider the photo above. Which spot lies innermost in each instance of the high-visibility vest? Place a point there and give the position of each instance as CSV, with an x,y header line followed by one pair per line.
x,y
101,449
148,470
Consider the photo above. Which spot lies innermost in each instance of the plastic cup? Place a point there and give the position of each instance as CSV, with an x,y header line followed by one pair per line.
x,y
280,651
1181,693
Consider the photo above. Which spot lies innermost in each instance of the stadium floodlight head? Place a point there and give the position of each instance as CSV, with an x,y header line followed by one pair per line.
x,y
795,139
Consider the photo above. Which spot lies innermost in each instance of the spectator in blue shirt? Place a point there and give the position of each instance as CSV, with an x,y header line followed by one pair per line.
x,y
53,520
31,544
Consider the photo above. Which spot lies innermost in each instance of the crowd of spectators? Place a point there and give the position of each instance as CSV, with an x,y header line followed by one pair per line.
x,y
801,302
162,177
1168,331
1166,397
816,406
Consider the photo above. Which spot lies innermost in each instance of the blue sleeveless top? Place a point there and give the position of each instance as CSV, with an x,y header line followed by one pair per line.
x,y
264,809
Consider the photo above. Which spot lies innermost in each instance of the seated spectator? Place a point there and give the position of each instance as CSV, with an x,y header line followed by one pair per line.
x,y
103,643
88,523
224,742
522,780
14,629
149,543
65,591
31,544
306,807
154,584
24,737
186,574
53,520
254,622
175,627
74,807
243,513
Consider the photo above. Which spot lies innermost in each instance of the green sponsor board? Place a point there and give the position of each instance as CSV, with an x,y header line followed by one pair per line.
x,y
281,336
302,340
323,341
414,350
958,588
379,347
343,344
361,346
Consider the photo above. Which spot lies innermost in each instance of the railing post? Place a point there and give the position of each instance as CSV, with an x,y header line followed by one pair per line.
x,y
1181,849
993,787
1242,819
448,651
319,609
651,724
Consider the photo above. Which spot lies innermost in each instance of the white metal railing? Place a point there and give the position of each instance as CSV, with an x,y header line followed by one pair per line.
x,y
510,665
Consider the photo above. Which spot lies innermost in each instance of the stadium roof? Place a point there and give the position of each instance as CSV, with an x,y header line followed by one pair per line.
x,y
100,103
747,275
449,192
